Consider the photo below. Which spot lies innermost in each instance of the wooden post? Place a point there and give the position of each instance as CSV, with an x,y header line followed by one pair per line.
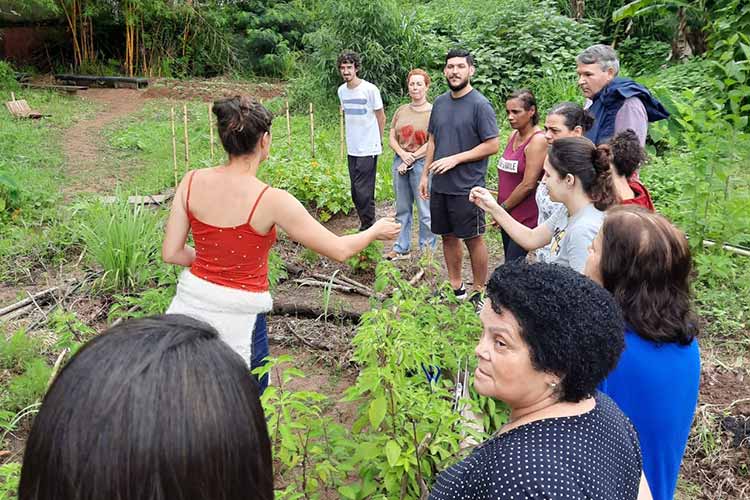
x,y
211,131
312,131
174,150
341,133
288,128
187,140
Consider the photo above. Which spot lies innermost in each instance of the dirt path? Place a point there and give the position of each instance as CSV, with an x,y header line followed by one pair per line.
x,y
87,155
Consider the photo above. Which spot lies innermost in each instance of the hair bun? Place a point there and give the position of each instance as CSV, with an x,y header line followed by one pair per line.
x,y
600,158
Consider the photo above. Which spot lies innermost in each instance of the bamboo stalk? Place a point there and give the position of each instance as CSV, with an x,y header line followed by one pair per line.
x,y
312,131
187,139
174,150
341,133
288,128
211,131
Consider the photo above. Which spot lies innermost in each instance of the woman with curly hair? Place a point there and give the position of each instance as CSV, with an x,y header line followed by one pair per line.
x,y
549,337
627,156
644,261
577,174
232,216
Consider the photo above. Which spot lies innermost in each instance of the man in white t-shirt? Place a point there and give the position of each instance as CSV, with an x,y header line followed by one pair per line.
x,y
365,120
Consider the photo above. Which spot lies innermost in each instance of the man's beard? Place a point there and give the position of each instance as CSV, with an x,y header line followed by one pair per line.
x,y
458,87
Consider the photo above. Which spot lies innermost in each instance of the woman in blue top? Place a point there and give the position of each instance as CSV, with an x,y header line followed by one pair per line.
x,y
644,261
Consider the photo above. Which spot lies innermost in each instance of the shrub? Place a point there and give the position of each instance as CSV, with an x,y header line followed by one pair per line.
x,y
16,351
7,76
389,43
514,45
124,241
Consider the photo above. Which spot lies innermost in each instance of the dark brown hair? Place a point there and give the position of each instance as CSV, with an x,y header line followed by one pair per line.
x,y
348,57
241,121
625,152
645,263
528,100
154,408
590,165
573,115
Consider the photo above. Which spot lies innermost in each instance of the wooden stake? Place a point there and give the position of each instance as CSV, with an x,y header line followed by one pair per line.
x,y
174,150
341,133
312,132
211,131
288,128
187,140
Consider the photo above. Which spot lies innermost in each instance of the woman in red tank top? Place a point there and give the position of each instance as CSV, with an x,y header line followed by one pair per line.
x,y
520,167
233,217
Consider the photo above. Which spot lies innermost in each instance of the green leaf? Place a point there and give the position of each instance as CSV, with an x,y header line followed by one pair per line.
x,y
377,412
392,452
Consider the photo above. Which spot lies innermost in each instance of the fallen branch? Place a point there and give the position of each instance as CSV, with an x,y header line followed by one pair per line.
x,y
416,277
291,309
31,300
343,281
332,286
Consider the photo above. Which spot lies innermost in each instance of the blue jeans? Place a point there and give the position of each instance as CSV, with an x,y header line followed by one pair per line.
x,y
406,188
260,350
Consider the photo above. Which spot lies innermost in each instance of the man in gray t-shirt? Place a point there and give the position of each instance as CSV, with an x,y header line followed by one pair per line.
x,y
462,135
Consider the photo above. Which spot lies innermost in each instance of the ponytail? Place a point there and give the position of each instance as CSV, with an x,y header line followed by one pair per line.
x,y
590,165
602,191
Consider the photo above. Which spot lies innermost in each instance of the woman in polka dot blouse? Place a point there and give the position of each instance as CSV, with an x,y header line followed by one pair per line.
x,y
233,217
549,337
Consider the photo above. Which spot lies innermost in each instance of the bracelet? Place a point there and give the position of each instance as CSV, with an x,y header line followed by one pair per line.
x,y
504,206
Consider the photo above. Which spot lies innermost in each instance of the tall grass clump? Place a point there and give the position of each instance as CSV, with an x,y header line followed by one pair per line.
x,y
124,241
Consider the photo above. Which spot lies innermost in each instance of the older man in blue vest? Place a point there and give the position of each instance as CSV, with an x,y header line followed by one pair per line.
x,y
616,103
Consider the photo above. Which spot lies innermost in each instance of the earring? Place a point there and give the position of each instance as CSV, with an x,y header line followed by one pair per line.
x,y
552,385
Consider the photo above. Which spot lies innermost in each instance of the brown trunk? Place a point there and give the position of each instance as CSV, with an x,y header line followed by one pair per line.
x,y
681,48
578,7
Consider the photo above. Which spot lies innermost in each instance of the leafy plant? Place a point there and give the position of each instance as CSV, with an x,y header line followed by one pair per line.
x,y
10,476
18,350
367,259
7,76
123,240
27,388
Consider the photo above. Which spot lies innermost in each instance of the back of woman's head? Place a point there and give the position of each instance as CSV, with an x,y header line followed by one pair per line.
x,y
645,262
573,115
589,164
625,152
156,408
572,326
242,121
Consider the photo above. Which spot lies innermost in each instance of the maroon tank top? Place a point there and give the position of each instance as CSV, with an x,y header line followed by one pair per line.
x,y
510,170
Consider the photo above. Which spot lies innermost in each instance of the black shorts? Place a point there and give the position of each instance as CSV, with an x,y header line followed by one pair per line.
x,y
454,214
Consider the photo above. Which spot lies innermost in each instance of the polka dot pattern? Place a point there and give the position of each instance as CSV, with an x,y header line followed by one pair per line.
x,y
589,456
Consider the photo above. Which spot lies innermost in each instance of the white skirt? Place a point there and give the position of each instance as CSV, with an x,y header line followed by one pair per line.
x,y
230,311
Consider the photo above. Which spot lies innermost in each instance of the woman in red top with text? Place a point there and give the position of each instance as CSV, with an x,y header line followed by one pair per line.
x,y
520,167
233,217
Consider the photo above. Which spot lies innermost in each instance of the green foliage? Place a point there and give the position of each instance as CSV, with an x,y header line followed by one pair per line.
x,y
10,476
7,77
303,438
514,46
389,41
269,35
367,259
27,388
70,331
123,240
276,270
16,351
643,55
406,428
